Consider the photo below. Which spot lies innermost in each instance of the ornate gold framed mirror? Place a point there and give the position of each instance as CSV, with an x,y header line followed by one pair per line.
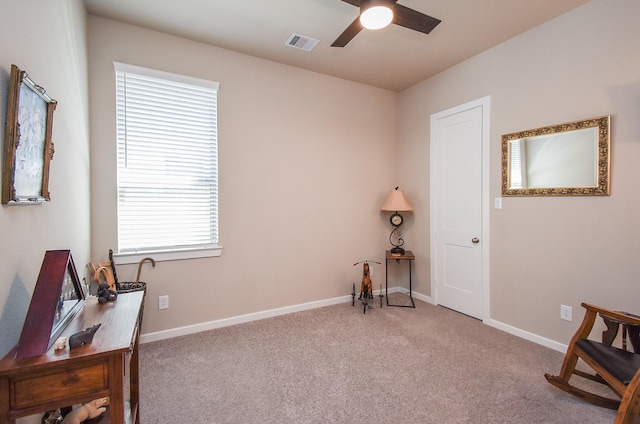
x,y
570,159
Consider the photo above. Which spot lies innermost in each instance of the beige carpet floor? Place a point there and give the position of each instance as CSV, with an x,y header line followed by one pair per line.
x,y
338,365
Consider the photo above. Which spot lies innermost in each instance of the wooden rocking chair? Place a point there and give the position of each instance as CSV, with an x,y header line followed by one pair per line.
x,y
616,368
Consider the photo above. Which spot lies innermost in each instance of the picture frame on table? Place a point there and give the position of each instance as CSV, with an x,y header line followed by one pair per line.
x,y
28,148
57,297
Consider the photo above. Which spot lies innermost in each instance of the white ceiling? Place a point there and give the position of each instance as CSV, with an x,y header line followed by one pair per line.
x,y
393,58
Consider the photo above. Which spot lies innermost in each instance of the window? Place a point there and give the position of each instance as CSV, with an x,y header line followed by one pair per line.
x,y
167,164
518,164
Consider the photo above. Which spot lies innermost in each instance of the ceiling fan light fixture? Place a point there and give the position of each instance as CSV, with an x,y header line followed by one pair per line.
x,y
375,17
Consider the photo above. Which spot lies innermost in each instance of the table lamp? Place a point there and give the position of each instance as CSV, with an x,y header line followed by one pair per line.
x,y
396,202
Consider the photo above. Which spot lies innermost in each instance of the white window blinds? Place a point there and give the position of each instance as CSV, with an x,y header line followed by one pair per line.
x,y
518,164
167,161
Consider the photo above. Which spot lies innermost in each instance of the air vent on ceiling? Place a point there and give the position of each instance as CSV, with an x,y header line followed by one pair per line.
x,y
302,42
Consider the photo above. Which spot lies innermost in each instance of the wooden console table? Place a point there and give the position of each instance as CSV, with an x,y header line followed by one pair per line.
x,y
68,377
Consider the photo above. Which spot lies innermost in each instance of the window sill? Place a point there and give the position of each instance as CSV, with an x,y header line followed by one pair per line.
x,y
167,255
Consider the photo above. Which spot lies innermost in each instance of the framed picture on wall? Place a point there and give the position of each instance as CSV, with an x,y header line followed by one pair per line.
x,y
28,148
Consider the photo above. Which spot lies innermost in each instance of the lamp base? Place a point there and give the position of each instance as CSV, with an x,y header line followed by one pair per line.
x,y
397,251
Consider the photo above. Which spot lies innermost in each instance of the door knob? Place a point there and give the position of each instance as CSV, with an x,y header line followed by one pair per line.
x,y
475,240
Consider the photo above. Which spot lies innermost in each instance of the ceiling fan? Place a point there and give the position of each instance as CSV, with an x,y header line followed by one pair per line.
x,y
393,12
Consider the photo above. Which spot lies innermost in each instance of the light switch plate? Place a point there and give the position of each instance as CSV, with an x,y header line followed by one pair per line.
x,y
566,313
163,302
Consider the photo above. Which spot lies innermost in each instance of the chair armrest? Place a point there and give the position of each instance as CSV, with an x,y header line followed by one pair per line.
x,y
623,317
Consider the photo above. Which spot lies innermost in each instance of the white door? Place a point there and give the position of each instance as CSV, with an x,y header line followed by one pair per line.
x,y
459,141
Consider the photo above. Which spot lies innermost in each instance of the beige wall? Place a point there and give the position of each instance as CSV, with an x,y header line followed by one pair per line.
x,y
48,40
305,162
547,251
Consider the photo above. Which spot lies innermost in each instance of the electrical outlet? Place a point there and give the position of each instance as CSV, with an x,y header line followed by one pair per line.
x,y
163,302
566,312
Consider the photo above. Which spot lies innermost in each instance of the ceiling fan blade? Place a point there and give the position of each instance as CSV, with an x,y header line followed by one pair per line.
x,y
413,19
348,34
356,3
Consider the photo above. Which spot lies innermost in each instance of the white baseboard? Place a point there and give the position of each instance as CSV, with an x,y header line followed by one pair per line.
x,y
418,296
225,322
552,344
240,319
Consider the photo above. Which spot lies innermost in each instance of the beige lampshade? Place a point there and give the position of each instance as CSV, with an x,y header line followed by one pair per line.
x,y
396,201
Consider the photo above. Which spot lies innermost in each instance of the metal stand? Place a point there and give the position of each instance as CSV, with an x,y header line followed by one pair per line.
x,y
409,257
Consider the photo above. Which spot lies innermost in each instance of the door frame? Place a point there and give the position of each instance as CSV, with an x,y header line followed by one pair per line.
x,y
485,104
